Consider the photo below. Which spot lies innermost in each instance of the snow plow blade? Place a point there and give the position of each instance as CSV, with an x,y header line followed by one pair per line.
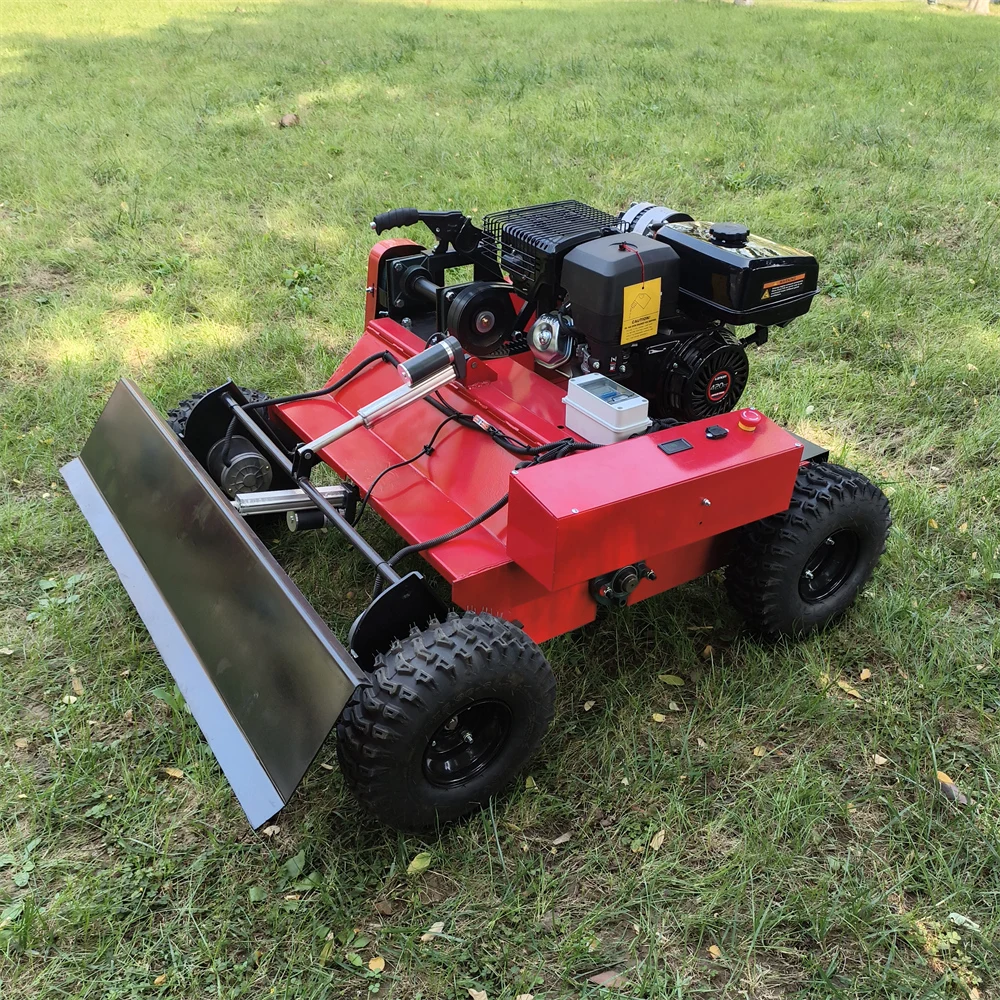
x,y
263,675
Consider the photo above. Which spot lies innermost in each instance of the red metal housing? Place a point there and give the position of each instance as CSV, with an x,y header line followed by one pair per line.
x,y
568,520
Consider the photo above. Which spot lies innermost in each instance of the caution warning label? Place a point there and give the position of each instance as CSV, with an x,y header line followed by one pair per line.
x,y
782,287
640,310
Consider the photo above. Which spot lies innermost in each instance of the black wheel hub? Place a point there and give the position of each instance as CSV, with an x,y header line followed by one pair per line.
x,y
467,743
830,565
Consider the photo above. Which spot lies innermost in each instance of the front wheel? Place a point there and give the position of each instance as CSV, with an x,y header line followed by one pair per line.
x,y
793,572
447,720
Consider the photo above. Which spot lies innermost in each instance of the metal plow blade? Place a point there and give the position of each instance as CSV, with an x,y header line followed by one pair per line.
x,y
261,672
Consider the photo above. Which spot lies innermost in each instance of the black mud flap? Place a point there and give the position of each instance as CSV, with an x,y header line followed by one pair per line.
x,y
263,675
406,604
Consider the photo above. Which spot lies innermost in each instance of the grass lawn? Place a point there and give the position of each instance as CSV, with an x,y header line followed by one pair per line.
x,y
149,207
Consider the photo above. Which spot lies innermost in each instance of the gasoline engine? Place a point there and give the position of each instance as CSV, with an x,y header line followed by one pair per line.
x,y
648,299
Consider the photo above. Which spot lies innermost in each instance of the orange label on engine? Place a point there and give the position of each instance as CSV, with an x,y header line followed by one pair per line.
x,y
640,311
783,286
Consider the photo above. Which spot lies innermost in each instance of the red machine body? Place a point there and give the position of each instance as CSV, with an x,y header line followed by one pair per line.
x,y
567,521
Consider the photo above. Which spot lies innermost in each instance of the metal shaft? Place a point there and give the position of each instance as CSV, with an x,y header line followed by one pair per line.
x,y
335,517
389,403
280,501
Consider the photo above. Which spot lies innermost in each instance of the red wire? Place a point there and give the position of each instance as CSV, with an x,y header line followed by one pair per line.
x,y
642,267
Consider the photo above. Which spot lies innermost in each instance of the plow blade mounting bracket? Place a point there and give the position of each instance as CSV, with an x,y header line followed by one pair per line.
x,y
263,675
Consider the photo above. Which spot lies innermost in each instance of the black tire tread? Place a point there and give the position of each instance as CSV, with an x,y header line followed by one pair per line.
x,y
409,678
177,417
755,577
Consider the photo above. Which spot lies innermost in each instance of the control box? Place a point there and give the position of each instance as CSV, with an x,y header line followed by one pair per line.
x,y
602,411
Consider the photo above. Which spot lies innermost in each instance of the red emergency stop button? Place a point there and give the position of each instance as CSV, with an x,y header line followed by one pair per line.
x,y
748,420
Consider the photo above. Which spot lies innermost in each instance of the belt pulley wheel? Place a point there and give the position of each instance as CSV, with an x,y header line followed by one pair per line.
x,y
482,317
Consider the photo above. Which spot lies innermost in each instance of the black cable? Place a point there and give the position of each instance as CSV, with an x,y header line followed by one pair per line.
x,y
427,449
441,539
385,356
228,441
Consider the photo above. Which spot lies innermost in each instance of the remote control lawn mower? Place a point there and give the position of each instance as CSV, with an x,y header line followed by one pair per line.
x,y
558,434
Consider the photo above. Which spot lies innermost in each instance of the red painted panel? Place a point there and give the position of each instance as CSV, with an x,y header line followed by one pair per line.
x,y
632,499
595,511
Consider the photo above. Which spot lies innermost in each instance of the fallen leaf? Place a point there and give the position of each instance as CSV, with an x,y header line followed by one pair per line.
x,y
69,699
659,717
477,994
128,716
706,653
6,651
715,951
960,920
77,686
419,864
21,744
376,964
529,783
270,831
173,772
160,980
879,761
671,679
963,527
125,672
384,907
932,524
287,121
759,752
865,675
950,790
702,745
588,705
657,842
823,681
608,978
847,689
525,996
673,706
326,767
563,838
432,932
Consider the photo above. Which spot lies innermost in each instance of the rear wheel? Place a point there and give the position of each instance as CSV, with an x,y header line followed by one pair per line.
x,y
793,572
448,719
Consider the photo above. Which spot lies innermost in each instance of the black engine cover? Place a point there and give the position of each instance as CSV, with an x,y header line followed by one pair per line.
x,y
701,375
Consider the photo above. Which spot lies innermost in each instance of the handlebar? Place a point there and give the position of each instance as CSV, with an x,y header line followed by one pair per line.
x,y
395,218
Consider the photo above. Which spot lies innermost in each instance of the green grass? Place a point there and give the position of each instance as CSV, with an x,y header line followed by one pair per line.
x,y
149,209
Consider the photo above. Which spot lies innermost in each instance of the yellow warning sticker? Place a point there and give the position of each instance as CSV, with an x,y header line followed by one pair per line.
x,y
641,311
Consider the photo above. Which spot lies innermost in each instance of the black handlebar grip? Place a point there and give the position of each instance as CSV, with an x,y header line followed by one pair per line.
x,y
445,353
395,218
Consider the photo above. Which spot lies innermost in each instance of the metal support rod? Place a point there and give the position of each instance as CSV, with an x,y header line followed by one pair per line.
x,y
334,516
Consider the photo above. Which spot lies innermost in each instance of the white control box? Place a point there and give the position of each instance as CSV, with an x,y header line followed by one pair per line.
x,y
602,411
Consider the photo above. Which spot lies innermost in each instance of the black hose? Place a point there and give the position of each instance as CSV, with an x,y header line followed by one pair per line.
x,y
385,356
441,539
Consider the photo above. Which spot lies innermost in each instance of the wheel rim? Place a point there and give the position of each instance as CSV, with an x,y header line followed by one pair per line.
x,y
467,743
829,566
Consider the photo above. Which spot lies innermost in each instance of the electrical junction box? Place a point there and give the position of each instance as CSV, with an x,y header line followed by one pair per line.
x,y
602,411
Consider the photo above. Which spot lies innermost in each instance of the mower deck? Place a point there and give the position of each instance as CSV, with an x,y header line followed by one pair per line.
x,y
751,476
